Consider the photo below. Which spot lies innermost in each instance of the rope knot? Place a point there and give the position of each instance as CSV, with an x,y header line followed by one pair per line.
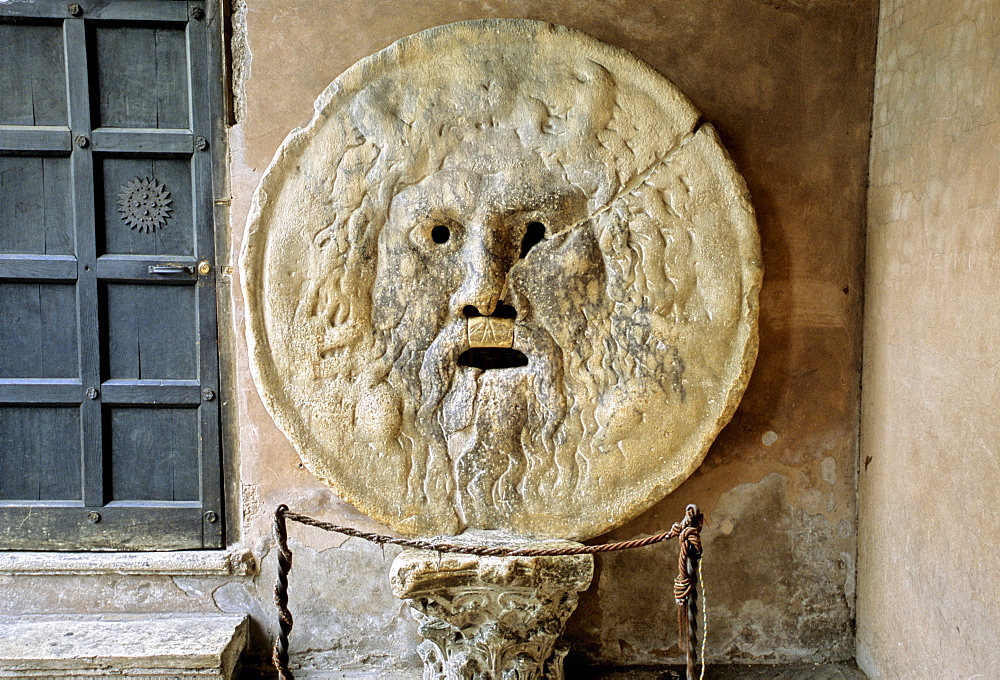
x,y
682,588
689,539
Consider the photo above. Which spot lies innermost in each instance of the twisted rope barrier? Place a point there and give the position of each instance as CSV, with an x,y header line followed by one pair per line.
x,y
688,531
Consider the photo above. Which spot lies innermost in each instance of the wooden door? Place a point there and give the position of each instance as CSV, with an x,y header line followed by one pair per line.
x,y
109,420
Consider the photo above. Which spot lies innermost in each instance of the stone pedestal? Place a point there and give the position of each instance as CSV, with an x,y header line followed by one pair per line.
x,y
491,618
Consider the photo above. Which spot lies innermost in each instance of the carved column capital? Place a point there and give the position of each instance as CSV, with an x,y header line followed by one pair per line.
x,y
491,618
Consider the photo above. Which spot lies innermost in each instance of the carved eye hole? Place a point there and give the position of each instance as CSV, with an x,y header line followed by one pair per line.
x,y
534,233
440,234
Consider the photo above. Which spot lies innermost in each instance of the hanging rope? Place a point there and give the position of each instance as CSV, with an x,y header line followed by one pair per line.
x,y
704,617
280,654
688,531
686,588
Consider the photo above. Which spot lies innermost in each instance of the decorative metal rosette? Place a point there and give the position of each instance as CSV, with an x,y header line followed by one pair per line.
x,y
144,204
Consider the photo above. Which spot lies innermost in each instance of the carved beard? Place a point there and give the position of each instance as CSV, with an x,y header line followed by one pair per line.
x,y
492,432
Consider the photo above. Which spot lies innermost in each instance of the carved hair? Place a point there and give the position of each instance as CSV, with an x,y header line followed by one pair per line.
x,y
647,276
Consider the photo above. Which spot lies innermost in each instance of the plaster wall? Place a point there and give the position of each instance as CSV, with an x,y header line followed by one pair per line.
x,y
929,566
787,83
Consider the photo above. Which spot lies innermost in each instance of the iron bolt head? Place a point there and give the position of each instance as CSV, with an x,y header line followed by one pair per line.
x,y
74,9
93,393
200,143
93,517
207,394
197,13
211,517
82,141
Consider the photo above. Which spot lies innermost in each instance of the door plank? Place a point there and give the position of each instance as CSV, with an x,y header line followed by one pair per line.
x,y
148,10
153,451
151,332
54,139
39,453
121,527
143,141
151,392
82,159
137,268
40,391
21,204
142,76
35,205
50,268
58,231
38,333
173,86
206,119
33,77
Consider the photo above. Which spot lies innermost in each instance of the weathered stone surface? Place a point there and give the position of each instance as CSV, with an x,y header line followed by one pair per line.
x,y
491,617
135,647
512,194
236,562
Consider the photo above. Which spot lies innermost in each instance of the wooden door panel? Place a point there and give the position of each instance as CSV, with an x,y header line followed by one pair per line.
x,y
142,76
128,525
38,337
40,455
152,332
154,454
169,229
35,205
33,77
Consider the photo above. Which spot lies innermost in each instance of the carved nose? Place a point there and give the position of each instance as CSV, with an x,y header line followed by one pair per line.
x,y
485,281
480,293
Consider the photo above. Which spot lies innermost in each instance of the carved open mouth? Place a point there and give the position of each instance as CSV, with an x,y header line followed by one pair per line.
x,y
489,358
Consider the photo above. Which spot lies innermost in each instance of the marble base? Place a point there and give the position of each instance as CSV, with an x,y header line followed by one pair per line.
x,y
491,618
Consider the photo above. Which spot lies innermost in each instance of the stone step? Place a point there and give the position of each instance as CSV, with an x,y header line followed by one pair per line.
x,y
133,646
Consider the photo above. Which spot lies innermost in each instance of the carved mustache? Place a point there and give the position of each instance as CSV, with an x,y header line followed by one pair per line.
x,y
530,347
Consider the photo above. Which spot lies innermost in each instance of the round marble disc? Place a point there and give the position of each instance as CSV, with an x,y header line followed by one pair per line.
x,y
504,279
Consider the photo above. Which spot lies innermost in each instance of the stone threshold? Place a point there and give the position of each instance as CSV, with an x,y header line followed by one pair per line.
x,y
233,562
132,646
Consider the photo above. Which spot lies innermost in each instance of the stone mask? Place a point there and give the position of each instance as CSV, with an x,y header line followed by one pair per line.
x,y
503,280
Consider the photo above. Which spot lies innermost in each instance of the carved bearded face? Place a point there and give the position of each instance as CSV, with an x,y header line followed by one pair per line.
x,y
487,294
486,278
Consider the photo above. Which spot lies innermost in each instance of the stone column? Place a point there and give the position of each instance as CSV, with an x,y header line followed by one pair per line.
x,y
491,618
